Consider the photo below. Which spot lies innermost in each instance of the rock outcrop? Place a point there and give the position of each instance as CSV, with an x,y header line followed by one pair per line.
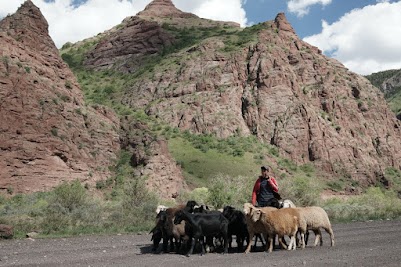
x,y
152,159
6,231
47,134
164,9
128,46
285,92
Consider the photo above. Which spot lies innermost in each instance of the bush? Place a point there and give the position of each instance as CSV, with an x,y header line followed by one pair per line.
x,y
302,190
200,195
70,196
375,203
68,203
233,191
138,204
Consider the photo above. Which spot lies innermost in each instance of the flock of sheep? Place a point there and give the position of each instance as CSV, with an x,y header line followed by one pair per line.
x,y
184,226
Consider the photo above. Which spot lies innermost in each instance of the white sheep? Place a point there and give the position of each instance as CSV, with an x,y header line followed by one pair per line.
x,y
286,203
160,208
278,222
313,218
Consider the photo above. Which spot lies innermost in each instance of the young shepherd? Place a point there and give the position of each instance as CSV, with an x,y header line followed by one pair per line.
x,y
313,218
278,222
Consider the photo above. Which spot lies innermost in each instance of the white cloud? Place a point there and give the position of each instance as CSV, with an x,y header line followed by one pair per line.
x,y
69,24
365,40
226,10
301,7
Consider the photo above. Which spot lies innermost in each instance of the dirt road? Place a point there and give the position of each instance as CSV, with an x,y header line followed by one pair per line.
x,y
357,244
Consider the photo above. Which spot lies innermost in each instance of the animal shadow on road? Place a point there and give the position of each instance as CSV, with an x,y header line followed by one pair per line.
x,y
147,249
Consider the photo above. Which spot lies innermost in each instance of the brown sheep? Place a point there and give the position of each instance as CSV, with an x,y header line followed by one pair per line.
x,y
278,222
254,227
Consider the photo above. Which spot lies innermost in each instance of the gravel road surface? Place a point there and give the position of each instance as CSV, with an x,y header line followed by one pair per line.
x,y
357,244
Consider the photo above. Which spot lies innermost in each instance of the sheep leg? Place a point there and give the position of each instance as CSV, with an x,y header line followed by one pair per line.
x,y
302,239
330,232
261,237
251,234
292,244
269,244
306,237
281,241
318,237
301,242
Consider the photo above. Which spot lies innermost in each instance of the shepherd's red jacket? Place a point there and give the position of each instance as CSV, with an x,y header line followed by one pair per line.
x,y
256,188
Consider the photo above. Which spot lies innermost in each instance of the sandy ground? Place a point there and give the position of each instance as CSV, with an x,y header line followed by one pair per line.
x,y
357,244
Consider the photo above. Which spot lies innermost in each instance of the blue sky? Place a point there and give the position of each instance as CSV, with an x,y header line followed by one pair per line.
x,y
364,35
308,24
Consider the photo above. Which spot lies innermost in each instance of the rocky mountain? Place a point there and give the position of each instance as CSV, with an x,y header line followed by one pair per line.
x,y
265,81
126,47
47,133
195,75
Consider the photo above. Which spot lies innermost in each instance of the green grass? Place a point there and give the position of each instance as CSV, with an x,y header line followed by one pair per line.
x,y
393,97
374,204
199,167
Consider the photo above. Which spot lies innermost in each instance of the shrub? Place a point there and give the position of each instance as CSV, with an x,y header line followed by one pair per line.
x,y
303,190
70,195
375,203
70,210
226,190
200,195
138,204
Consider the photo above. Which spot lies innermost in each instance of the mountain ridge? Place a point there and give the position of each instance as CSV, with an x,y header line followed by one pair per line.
x,y
214,78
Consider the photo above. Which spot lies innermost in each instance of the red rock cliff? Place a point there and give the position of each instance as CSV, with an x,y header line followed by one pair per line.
x,y
47,134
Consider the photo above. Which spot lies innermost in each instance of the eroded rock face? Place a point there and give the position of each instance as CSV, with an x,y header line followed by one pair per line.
x,y
47,134
127,47
285,92
152,160
164,9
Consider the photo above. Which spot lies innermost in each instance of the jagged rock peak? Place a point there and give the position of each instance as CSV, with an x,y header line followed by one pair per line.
x,y
282,23
163,8
29,26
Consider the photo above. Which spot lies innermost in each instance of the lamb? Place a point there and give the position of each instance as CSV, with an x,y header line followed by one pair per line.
x,y
281,222
313,218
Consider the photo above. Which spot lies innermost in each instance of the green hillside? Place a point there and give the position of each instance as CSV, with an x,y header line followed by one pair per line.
x,y
393,96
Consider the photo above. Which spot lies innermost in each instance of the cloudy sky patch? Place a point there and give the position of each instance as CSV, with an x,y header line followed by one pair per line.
x,y
362,34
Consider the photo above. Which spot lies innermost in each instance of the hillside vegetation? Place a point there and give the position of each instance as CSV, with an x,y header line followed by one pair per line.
x,y
392,95
219,171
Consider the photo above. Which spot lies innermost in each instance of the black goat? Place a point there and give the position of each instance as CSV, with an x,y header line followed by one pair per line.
x,y
169,230
204,224
157,231
237,226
